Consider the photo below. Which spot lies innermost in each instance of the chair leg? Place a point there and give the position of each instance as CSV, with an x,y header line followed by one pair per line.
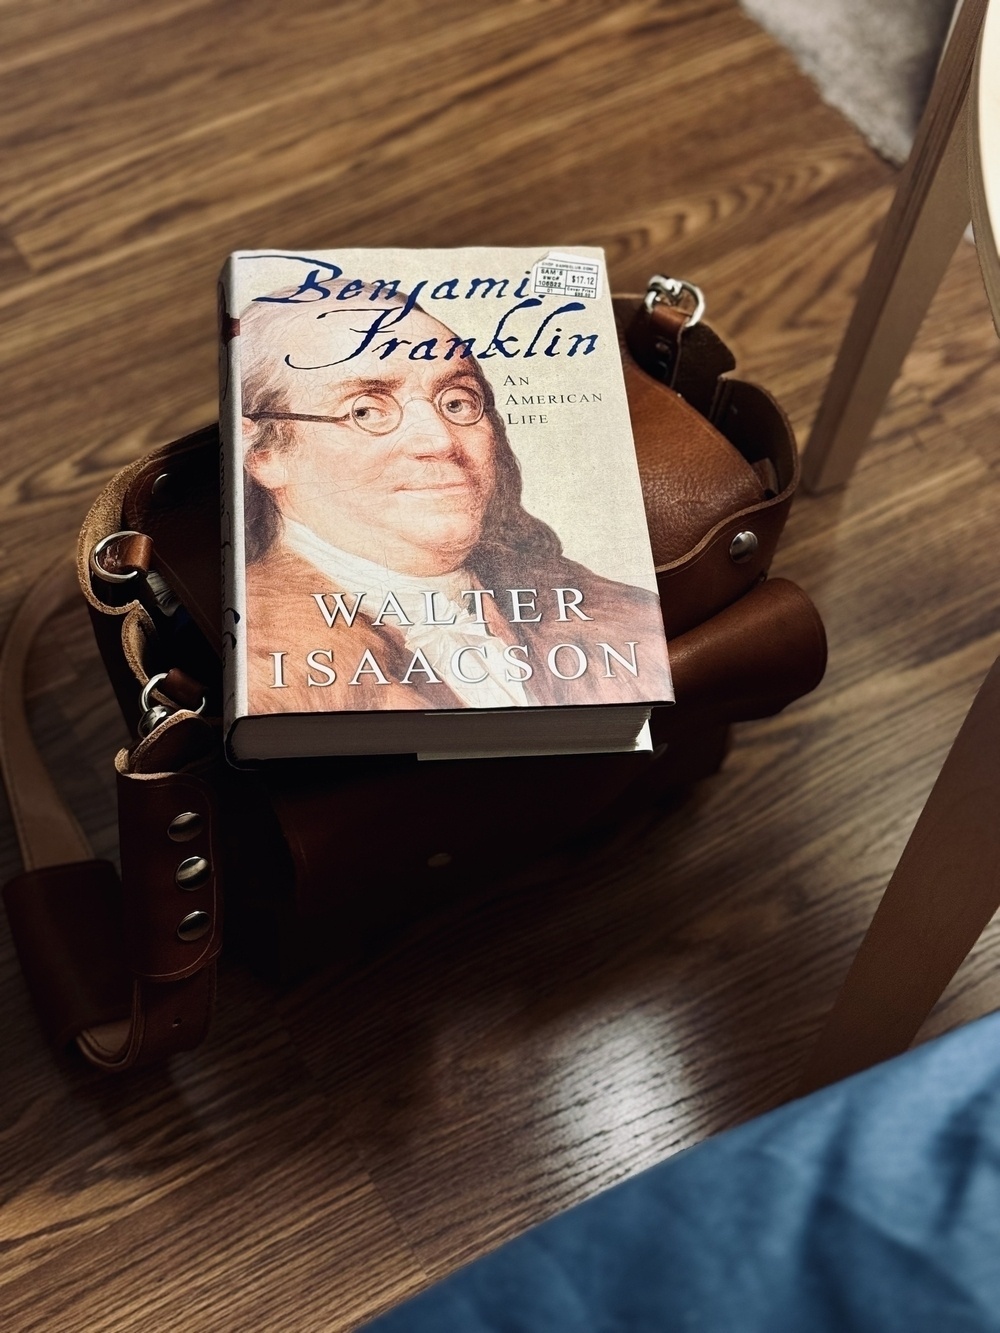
x,y
930,211
939,901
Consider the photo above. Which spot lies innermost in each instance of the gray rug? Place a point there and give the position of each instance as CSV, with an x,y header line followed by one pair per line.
x,y
873,60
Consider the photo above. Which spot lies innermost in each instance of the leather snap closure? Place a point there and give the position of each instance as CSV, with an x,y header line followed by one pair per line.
x,y
194,926
743,547
185,826
192,872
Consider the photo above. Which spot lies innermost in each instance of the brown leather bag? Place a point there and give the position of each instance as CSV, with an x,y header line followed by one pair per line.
x,y
125,966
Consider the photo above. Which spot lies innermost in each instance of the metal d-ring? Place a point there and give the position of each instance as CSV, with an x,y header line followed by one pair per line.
x,y
150,714
106,574
673,291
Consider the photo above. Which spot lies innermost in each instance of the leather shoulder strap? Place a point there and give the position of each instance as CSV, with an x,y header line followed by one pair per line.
x,y
937,904
46,830
125,967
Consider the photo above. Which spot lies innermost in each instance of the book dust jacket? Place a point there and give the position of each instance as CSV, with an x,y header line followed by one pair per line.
x,y
431,497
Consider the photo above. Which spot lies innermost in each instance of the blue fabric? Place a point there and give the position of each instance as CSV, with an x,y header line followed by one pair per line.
x,y
870,1206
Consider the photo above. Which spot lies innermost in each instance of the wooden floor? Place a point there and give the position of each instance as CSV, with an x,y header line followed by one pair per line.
x,y
334,1147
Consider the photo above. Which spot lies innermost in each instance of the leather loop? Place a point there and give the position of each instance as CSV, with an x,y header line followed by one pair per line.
x,y
66,922
183,689
689,359
46,830
165,1018
103,963
103,520
67,927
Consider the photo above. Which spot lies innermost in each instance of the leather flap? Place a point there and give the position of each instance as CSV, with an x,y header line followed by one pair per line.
x,y
692,477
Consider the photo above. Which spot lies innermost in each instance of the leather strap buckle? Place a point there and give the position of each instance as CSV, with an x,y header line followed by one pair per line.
x,y
674,292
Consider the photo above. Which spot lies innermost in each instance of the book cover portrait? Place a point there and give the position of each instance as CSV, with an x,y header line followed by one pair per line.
x,y
438,505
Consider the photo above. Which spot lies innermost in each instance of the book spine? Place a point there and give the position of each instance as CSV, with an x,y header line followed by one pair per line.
x,y
231,490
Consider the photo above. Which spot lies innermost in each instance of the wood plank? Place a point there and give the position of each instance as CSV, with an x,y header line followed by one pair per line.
x,y
287,60
13,265
37,32
297,154
138,1214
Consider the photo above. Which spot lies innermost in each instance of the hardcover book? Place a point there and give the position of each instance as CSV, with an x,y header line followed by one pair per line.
x,y
433,531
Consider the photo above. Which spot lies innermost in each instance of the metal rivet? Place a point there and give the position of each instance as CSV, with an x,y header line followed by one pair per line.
x,y
185,827
192,872
194,925
439,859
743,547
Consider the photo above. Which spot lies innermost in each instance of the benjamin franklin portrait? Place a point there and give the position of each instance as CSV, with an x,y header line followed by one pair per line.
x,y
391,563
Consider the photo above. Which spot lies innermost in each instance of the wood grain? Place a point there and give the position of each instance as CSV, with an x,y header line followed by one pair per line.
x,y
447,1083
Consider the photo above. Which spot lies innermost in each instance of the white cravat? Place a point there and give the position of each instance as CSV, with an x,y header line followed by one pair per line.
x,y
352,574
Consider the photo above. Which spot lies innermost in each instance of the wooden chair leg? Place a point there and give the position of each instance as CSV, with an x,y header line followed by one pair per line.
x,y
930,211
940,899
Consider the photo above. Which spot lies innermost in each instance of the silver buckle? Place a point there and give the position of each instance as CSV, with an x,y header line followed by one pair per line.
x,y
676,292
